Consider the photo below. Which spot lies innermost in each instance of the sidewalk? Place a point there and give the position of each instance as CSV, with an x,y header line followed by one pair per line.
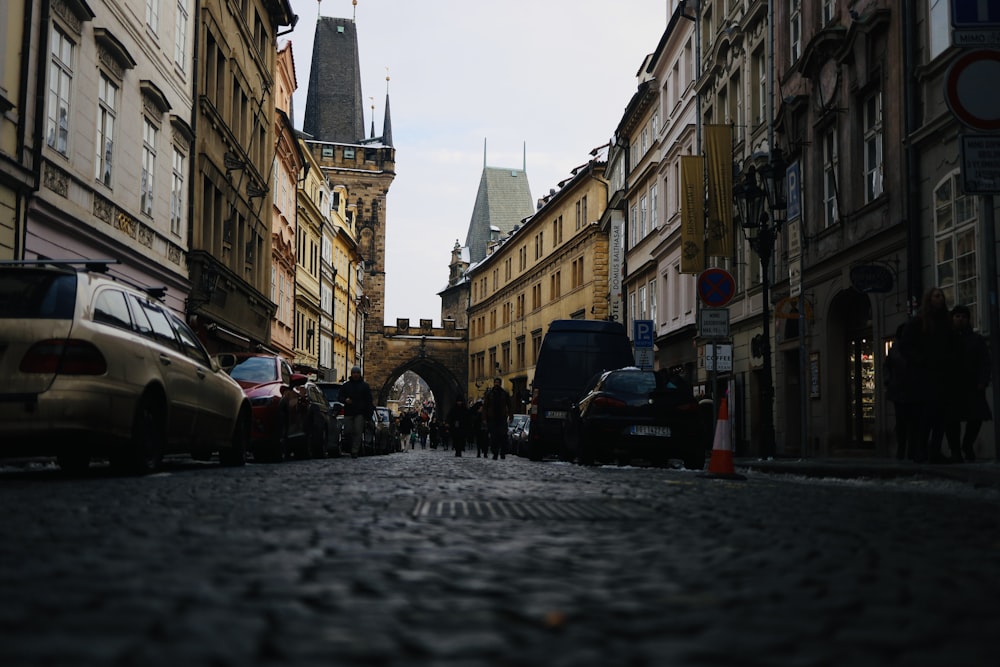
x,y
980,473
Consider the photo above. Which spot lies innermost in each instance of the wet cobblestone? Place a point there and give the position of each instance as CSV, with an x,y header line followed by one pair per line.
x,y
332,562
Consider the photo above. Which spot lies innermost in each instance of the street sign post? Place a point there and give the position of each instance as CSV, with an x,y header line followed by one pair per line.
x,y
975,23
713,323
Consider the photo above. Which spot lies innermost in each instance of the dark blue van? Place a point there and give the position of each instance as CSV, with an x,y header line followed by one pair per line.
x,y
573,352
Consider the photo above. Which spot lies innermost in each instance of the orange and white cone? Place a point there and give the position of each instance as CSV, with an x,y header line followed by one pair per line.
x,y
720,465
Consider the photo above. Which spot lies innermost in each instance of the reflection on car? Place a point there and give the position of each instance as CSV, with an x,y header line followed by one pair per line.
x,y
630,414
331,390
513,426
288,419
520,436
96,367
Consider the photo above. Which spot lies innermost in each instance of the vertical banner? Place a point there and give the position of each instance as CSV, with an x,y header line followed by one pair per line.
x,y
719,153
692,214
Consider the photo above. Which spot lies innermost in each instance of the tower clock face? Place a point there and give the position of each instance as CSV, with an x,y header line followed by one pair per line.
x,y
829,75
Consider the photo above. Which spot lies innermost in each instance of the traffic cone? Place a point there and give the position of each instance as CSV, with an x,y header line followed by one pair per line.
x,y
720,466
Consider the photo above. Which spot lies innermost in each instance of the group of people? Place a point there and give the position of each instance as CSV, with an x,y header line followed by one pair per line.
x,y
484,423
937,372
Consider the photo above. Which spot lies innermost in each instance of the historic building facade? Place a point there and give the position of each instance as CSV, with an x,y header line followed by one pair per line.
x,y
115,134
554,266
230,241
289,164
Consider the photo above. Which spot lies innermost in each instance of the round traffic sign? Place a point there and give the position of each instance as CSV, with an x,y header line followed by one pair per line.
x,y
716,287
971,91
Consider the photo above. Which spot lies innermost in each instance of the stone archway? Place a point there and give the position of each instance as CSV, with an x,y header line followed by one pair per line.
x,y
438,355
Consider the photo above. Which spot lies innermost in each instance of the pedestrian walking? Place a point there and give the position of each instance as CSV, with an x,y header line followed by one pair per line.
x,y
458,425
434,432
405,429
359,406
482,435
974,377
899,391
498,410
932,350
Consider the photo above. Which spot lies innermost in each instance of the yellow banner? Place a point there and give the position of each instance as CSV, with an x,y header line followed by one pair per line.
x,y
692,214
719,153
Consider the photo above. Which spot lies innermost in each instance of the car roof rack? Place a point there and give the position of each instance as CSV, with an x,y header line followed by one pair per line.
x,y
96,266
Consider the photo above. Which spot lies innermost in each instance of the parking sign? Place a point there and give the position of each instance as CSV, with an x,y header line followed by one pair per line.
x,y
643,333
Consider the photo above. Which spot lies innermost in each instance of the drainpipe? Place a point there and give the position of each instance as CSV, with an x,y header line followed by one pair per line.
x,y
914,284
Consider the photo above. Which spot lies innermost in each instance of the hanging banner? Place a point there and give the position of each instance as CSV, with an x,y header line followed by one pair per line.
x,y
692,214
719,154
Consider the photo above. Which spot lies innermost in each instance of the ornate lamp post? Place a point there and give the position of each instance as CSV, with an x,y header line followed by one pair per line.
x,y
757,188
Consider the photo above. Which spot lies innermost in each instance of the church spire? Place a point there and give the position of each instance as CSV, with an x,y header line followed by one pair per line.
x,y
386,122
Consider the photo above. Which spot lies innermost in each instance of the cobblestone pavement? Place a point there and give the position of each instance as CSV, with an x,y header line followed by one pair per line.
x,y
423,558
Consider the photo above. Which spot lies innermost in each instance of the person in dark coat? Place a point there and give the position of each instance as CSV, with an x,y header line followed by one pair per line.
x,y
359,406
405,429
932,348
458,425
899,391
974,377
497,413
481,435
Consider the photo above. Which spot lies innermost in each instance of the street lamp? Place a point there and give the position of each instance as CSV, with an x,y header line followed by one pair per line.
x,y
760,187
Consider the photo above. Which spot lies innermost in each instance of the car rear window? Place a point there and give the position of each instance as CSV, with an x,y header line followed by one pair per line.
x,y
254,369
633,382
32,294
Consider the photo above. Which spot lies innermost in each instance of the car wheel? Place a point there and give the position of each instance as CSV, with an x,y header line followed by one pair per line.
x,y
317,440
588,449
73,459
695,458
236,453
144,451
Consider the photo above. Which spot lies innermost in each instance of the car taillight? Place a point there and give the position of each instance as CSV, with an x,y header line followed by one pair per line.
x,y
64,357
609,402
533,410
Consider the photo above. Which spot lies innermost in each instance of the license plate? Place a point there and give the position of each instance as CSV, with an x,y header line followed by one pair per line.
x,y
643,429
556,414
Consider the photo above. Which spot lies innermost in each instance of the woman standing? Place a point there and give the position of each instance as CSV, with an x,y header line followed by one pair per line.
x,y
458,424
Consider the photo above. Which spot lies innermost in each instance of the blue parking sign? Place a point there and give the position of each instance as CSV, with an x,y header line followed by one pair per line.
x,y
643,333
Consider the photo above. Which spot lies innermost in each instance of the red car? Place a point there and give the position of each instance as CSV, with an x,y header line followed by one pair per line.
x,y
286,420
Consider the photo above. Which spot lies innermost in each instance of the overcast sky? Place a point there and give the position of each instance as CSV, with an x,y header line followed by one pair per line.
x,y
553,76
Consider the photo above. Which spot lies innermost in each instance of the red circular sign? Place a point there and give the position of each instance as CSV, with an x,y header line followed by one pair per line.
x,y
971,89
716,287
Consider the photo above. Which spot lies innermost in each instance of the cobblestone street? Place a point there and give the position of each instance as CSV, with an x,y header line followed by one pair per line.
x,y
424,558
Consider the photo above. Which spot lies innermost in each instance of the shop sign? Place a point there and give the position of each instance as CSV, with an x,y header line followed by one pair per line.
x,y
871,278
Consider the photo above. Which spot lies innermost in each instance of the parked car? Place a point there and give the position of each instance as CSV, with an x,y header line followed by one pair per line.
x,y
630,413
95,367
331,390
386,438
321,421
283,424
572,353
515,423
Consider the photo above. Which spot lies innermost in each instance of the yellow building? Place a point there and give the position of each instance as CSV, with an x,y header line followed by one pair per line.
x,y
314,204
340,245
554,266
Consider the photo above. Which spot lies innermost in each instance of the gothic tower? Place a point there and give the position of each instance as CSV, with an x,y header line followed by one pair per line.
x,y
334,121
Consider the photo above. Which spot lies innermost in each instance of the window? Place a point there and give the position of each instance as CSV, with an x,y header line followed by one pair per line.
x,y
939,25
652,300
955,219
536,296
829,7
579,220
830,168
555,285
107,94
872,124
654,206
642,313
642,217
153,15
148,167
758,97
60,78
583,208
577,279
634,231
795,29
557,231
180,35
